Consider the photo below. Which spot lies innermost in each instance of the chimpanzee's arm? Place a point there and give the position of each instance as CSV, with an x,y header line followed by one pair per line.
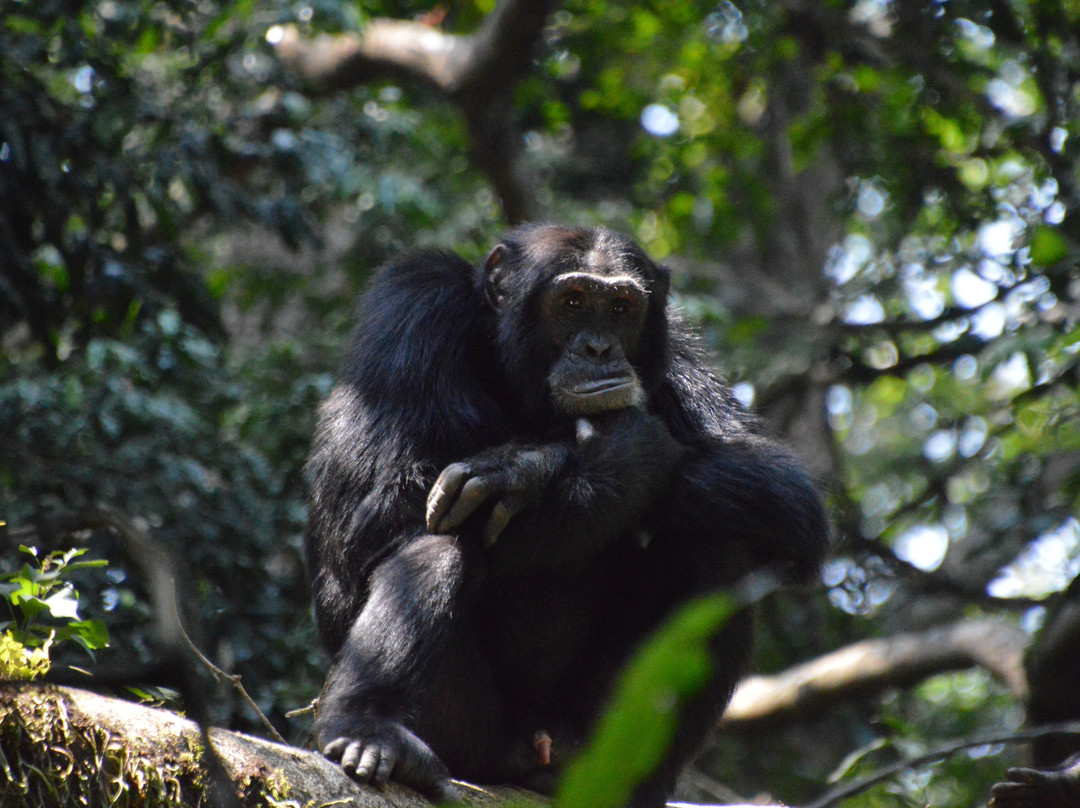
x,y
744,498
593,488
737,492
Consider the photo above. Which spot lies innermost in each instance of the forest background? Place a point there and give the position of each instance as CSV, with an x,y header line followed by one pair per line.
x,y
870,210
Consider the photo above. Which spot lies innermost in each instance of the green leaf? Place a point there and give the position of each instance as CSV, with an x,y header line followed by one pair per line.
x,y
1063,343
1048,247
87,565
63,605
90,634
887,391
30,606
1032,419
21,662
635,731
25,587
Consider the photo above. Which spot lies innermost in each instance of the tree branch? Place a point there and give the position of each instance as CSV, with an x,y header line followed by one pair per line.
x,y
87,749
503,48
476,72
870,666
384,47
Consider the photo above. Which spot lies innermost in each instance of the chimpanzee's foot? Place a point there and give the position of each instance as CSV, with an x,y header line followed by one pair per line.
x,y
1034,788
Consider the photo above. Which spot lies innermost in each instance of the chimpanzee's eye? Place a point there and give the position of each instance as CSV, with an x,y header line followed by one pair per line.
x,y
573,301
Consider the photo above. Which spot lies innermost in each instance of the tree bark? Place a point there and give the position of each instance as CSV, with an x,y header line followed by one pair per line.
x,y
871,666
61,746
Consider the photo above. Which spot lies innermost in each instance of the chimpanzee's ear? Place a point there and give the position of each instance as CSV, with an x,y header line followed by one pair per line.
x,y
495,276
662,283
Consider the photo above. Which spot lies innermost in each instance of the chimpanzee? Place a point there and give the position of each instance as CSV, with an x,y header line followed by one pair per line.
x,y
1056,787
525,468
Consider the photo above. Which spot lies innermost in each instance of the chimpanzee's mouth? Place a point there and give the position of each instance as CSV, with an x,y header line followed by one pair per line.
x,y
602,387
590,396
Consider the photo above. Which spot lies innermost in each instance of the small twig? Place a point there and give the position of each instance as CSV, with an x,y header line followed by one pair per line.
x,y
838,795
233,678
299,711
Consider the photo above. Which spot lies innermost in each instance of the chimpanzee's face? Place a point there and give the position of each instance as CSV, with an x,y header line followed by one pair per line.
x,y
573,307
595,321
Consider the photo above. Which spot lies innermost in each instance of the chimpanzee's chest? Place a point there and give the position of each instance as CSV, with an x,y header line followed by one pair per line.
x,y
550,628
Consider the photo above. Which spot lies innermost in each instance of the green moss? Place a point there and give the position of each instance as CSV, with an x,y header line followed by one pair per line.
x,y
51,759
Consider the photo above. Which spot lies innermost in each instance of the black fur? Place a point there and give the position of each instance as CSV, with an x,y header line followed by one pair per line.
x,y
451,655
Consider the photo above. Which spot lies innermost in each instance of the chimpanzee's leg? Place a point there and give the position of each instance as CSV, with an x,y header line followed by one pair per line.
x,y
395,689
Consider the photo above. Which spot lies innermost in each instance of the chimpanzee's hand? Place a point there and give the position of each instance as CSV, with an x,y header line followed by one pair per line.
x,y
511,476
375,751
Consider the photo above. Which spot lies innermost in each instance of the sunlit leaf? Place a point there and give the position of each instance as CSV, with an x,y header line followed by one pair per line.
x,y
93,635
63,604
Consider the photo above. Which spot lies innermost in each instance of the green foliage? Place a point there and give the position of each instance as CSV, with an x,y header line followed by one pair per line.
x,y
18,662
44,609
159,428
126,127
960,705
1048,247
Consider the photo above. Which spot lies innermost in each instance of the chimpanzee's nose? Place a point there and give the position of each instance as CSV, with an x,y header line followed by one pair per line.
x,y
597,347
